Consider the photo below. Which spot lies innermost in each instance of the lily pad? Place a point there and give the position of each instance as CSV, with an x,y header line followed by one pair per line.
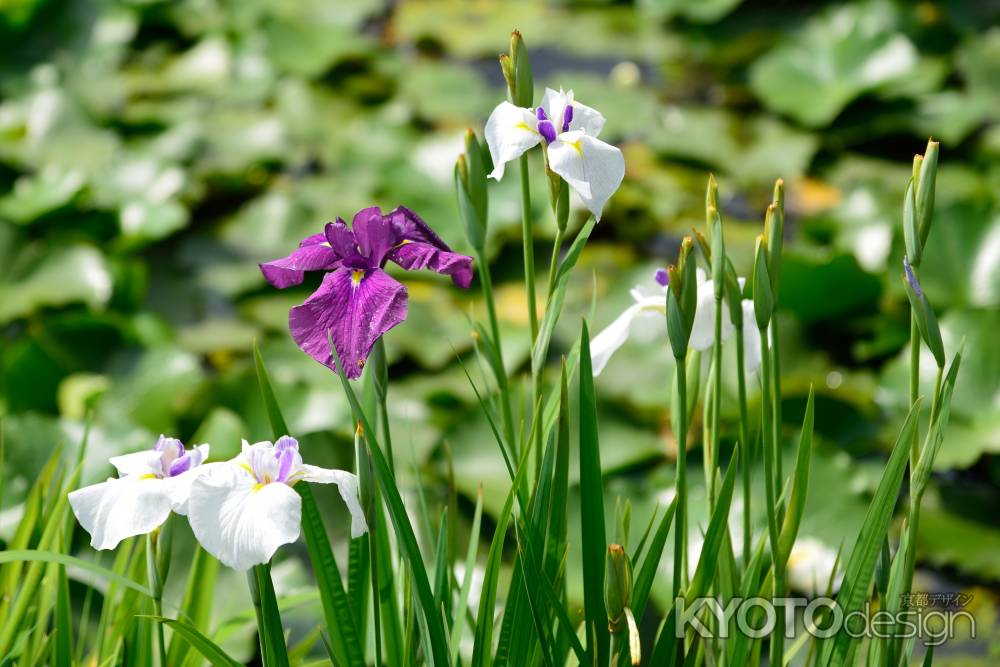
x,y
67,274
841,53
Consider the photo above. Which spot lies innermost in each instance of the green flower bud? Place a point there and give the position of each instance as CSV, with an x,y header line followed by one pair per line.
x,y
911,234
522,92
774,230
711,197
718,251
507,68
470,186
706,249
923,313
925,190
763,298
617,587
734,296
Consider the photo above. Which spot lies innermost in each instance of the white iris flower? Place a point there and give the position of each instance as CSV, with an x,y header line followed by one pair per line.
x,y
649,314
150,485
246,508
569,132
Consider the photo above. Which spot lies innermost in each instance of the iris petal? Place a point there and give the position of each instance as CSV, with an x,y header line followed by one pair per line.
x,y
591,167
313,254
347,484
240,523
510,131
120,508
355,307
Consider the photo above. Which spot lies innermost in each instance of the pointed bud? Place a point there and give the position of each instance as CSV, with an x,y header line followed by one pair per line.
x,y
923,313
763,299
778,199
689,284
706,249
918,161
911,233
507,68
718,251
617,587
774,229
712,194
925,186
734,296
522,93
470,186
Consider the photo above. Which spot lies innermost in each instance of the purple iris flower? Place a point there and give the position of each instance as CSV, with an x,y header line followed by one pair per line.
x,y
358,301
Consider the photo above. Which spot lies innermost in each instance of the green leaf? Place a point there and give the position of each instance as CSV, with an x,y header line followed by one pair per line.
x,y
800,484
196,602
592,531
337,611
209,650
839,54
458,627
718,528
860,570
438,649
650,562
62,650
67,274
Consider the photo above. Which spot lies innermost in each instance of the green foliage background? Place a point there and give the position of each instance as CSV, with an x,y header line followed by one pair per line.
x,y
151,153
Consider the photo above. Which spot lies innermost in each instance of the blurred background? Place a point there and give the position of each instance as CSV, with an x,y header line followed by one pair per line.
x,y
152,152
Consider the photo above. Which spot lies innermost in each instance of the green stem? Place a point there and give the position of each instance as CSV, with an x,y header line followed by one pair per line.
x,y
486,281
253,582
914,389
779,478
744,443
381,392
554,263
680,521
156,587
767,445
527,230
369,496
716,401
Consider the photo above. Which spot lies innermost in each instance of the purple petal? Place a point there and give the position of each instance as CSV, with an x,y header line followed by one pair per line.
x,y
662,277
285,442
374,234
410,227
356,307
180,465
313,254
340,238
415,255
545,126
567,117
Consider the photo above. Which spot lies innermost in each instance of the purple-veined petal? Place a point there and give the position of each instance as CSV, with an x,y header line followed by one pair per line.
x,y
413,256
411,227
313,254
356,307
179,487
374,234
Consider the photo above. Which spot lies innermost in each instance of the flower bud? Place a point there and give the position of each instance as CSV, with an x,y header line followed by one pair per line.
x,y
925,190
763,298
711,196
718,251
923,313
774,230
507,68
617,587
734,295
470,186
520,84
911,234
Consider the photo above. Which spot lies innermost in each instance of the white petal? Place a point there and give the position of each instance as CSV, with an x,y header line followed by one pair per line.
x,y
703,329
584,118
751,338
237,521
119,508
591,167
138,463
607,342
510,131
347,484
179,487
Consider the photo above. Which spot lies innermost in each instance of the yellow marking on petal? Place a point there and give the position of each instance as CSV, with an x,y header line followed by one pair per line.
x,y
326,244
258,486
148,475
356,276
578,146
247,468
524,126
